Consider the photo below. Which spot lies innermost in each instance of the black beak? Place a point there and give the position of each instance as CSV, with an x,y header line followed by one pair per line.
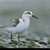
x,y
35,17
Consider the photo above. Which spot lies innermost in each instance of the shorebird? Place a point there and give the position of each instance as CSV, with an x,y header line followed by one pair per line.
x,y
18,25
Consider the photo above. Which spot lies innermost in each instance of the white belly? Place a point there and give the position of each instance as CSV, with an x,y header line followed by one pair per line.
x,y
21,27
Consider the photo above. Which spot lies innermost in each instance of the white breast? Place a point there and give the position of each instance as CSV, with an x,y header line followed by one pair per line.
x,y
21,27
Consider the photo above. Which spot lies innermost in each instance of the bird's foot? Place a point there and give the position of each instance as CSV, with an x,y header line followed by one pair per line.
x,y
14,42
11,42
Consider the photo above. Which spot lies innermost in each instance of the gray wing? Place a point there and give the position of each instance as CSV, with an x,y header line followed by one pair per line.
x,y
12,23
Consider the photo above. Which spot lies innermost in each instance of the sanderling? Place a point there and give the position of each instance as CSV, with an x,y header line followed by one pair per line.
x,y
19,25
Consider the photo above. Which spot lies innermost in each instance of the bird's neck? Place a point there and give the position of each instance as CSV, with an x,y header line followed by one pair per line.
x,y
26,19
25,16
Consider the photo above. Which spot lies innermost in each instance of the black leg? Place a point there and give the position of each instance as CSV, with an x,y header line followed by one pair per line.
x,y
11,40
19,38
11,37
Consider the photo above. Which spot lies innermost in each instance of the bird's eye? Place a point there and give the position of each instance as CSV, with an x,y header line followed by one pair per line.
x,y
29,13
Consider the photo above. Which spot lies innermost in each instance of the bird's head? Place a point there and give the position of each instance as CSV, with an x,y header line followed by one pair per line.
x,y
29,14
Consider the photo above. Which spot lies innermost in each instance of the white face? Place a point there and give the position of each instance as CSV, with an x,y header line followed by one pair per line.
x,y
29,14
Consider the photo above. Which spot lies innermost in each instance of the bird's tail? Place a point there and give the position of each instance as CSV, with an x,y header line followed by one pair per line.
x,y
2,26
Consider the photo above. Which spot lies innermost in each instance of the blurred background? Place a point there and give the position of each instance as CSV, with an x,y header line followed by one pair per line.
x,y
39,28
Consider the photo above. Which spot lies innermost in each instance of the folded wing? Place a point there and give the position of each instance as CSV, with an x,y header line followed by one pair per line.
x,y
11,23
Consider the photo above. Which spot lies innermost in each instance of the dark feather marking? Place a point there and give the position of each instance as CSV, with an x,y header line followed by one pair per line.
x,y
13,23
16,21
